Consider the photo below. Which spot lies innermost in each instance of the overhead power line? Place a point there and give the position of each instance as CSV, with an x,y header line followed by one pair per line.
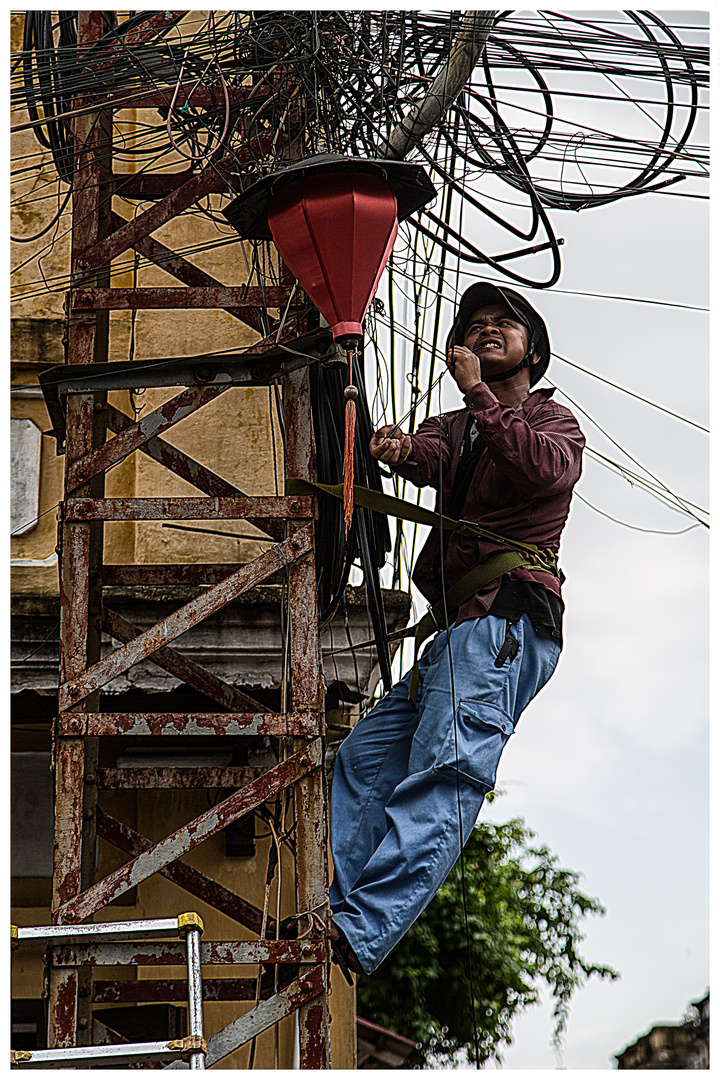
x,y
521,124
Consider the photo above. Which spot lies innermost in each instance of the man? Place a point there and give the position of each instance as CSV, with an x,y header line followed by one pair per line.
x,y
411,777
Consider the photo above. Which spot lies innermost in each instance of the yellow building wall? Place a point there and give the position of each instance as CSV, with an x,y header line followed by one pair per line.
x,y
232,435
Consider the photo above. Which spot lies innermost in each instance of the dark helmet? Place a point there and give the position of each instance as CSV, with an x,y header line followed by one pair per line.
x,y
483,293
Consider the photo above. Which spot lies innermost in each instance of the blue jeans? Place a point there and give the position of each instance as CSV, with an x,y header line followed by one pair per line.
x,y
394,814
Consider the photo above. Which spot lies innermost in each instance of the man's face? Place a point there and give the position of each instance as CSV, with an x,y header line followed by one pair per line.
x,y
497,337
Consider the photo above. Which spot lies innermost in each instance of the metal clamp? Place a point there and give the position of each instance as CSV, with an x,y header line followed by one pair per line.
x,y
432,615
191,1044
190,920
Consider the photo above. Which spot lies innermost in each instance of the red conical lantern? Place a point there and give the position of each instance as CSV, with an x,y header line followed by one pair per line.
x,y
335,231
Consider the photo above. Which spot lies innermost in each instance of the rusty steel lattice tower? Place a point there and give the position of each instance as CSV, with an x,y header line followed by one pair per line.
x,y
99,236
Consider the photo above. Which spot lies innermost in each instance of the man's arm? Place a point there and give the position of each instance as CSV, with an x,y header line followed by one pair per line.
x,y
415,457
539,455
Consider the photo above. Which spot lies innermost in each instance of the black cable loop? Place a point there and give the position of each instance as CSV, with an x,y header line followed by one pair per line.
x,y
694,92
550,198
544,90
464,193
480,257
523,178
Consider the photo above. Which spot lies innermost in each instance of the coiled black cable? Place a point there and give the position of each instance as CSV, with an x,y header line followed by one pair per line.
x,y
369,536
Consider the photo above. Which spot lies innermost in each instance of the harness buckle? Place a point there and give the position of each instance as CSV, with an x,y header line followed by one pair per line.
x,y
432,615
463,530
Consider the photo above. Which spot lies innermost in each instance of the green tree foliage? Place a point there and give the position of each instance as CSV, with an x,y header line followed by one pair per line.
x,y
524,914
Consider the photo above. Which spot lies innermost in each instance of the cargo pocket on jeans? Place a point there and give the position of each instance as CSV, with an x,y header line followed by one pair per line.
x,y
482,732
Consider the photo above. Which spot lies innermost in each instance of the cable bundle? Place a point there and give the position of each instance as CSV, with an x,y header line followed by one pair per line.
x,y
369,535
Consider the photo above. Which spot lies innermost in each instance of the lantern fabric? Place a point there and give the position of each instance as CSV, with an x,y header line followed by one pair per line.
x,y
335,232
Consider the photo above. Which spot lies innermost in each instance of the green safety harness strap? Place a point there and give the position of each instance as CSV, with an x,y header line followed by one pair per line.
x,y
542,558
475,579
522,554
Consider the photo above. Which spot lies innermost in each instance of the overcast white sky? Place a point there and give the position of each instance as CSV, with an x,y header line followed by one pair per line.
x,y
610,763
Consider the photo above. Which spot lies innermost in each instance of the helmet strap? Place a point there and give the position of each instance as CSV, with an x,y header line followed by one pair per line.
x,y
524,363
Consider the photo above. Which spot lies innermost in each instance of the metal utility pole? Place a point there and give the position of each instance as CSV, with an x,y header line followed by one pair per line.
x,y
99,237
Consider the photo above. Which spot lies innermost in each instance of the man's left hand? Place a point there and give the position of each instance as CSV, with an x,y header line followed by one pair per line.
x,y
464,367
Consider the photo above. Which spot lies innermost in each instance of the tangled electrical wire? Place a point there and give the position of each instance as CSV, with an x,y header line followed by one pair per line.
x,y
562,113
341,81
265,88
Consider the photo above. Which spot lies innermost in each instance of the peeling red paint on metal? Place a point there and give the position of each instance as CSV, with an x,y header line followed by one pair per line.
x,y
191,296
68,822
187,877
123,954
138,433
212,953
123,990
174,574
63,1007
305,643
195,832
305,988
314,1047
264,1016
176,778
185,618
188,509
302,722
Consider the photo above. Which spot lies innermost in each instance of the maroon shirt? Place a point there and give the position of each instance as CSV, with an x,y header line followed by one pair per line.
x,y
521,487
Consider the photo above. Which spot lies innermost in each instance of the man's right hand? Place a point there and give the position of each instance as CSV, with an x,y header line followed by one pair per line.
x,y
390,451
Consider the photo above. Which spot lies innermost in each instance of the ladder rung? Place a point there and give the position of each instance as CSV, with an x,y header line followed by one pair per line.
x,y
79,1056
137,930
